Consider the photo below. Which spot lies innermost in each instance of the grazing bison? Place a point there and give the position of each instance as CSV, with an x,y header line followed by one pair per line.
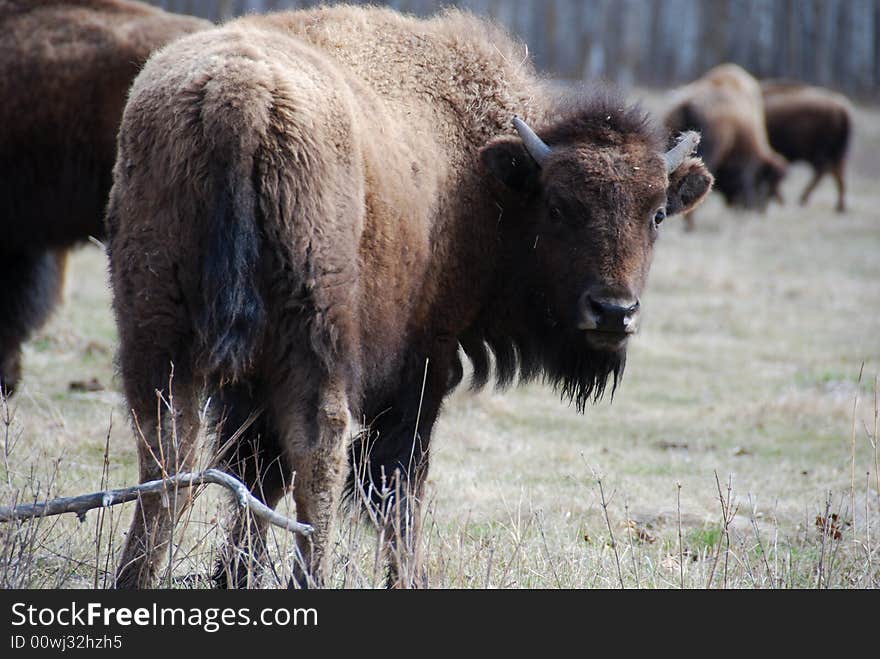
x,y
726,106
809,124
65,68
313,211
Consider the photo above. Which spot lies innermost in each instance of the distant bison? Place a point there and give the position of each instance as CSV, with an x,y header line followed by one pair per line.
x,y
313,211
810,124
65,68
726,106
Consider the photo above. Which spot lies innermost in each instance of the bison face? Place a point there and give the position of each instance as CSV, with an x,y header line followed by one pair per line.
x,y
750,185
591,212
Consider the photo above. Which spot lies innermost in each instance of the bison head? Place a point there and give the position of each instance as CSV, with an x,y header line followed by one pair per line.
x,y
591,196
751,184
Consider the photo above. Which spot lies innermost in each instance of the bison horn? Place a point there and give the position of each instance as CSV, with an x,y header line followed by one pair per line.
x,y
687,142
534,145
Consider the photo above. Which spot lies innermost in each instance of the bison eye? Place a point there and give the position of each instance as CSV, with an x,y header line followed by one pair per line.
x,y
555,214
659,216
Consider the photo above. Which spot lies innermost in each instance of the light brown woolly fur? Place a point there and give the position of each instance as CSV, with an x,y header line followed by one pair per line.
x,y
313,210
727,106
65,68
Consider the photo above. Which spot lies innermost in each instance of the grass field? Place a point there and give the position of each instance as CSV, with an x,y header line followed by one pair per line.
x,y
740,450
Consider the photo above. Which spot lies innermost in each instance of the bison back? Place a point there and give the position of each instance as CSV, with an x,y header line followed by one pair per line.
x,y
237,175
808,125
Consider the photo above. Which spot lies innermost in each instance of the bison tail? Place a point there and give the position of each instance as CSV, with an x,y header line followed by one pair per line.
x,y
233,314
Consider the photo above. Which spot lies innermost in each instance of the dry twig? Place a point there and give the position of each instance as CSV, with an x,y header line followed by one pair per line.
x,y
85,502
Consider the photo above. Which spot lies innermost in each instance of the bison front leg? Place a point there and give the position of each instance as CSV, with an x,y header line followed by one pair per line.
x,y
320,465
390,463
403,526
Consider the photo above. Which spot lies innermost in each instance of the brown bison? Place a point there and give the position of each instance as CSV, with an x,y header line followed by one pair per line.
x,y
313,211
65,68
726,106
809,124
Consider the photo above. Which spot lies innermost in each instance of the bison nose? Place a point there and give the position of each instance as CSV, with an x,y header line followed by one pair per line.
x,y
609,314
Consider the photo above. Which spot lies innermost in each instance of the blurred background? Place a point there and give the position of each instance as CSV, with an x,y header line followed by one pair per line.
x,y
834,43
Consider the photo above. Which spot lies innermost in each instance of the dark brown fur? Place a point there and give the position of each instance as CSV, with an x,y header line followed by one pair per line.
x,y
812,125
65,68
726,106
312,211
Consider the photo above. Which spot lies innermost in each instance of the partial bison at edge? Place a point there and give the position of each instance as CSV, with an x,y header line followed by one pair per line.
x,y
313,211
65,68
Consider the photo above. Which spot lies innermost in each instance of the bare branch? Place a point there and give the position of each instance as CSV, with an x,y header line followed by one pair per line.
x,y
85,502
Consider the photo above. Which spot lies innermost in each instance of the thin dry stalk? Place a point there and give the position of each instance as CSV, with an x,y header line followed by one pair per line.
x,y
758,540
875,440
547,551
99,527
869,552
632,548
518,538
9,441
852,486
680,541
610,532
726,519
826,529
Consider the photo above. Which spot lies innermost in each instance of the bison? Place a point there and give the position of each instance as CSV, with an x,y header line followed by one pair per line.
x,y
726,107
809,124
313,212
65,68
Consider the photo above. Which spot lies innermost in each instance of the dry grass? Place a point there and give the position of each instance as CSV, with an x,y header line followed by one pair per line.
x,y
740,451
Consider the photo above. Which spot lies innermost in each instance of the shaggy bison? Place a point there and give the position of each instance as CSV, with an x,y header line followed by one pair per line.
x,y
313,211
726,106
809,124
65,68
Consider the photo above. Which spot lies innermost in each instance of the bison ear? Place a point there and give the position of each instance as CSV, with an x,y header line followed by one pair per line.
x,y
689,185
508,161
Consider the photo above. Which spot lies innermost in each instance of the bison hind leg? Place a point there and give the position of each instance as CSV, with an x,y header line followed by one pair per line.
x,y
248,447
317,429
166,426
837,171
818,173
163,396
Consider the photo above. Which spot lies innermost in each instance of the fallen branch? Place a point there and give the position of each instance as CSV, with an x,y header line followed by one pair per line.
x,y
85,502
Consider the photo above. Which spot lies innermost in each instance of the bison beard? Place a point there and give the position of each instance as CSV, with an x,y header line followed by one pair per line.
x,y
580,373
543,350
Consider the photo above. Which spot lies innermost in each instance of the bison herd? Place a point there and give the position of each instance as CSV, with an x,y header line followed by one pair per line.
x,y
751,131
312,216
